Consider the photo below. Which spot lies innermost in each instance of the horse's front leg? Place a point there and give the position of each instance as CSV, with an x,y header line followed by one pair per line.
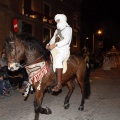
x,y
37,104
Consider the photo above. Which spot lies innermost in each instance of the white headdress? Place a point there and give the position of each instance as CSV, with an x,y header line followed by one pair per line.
x,y
62,18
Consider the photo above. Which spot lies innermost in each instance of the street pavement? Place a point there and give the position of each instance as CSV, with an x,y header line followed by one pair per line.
x,y
103,104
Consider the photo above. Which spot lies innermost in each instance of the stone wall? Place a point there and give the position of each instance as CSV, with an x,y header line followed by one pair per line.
x,y
5,24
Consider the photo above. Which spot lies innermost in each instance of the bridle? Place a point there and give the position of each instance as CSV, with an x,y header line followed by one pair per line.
x,y
12,43
13,50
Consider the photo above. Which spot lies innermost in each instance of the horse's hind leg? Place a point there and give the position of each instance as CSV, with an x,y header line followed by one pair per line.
x,y
80,80
71,88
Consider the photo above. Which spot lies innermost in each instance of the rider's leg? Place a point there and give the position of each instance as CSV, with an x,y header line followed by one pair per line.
x,y
59,79
59,58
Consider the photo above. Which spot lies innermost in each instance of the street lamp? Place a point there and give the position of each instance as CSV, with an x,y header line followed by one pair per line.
x,y
93,39
99,32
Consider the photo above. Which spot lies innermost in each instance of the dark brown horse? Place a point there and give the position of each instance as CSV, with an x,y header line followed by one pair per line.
x,y
26,47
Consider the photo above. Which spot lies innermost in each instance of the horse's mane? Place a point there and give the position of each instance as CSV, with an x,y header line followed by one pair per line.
x,y
31,43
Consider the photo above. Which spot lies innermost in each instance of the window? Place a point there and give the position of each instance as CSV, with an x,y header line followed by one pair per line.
x,y
27,6
74,41
46,35
2,1
27,28
75,23
47,10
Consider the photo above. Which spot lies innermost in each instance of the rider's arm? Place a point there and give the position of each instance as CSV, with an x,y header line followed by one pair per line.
x,y
53,38
52,43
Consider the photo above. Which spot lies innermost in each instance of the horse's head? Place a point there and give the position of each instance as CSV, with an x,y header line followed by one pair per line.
x,y
14,52
24,47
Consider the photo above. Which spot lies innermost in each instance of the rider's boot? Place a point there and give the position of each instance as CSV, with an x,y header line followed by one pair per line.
x,y
59,78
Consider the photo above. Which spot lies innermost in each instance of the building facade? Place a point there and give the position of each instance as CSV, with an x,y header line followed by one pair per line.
x,y
36,17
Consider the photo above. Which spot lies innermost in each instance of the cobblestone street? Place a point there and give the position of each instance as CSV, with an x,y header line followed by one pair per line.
x,y
104,102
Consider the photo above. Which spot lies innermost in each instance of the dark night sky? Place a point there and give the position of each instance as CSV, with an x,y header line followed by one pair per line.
x,y
104,15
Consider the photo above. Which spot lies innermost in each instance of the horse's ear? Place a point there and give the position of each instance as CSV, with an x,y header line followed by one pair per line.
x,y
11,35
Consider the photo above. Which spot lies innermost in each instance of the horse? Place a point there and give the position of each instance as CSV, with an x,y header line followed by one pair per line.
x,y
27,47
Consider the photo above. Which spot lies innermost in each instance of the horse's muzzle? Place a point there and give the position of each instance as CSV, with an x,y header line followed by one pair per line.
x,y
13,66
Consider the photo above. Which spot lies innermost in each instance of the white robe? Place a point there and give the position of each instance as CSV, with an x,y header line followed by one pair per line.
x,y
63,46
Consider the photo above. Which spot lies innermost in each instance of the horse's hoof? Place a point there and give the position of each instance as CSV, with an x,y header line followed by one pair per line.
x,y
81,108
48,110
66,106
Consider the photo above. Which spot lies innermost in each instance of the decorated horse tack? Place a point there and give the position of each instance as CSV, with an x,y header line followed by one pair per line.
x,y
40,70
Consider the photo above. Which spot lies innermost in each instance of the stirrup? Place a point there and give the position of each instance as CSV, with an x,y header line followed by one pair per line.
x,y
56,88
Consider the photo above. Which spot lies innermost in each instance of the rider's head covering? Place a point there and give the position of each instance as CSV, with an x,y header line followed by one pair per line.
x,y
62,19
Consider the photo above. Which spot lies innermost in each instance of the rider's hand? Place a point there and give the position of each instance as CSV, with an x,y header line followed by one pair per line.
x,y
52,46
47,46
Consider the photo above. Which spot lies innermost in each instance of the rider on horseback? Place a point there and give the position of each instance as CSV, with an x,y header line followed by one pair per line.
x,y
60,42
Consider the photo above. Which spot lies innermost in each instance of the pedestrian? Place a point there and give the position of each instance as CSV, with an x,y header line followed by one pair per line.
x,y
4,85
3,50
16,79
3,60
60,43
106,63
4,64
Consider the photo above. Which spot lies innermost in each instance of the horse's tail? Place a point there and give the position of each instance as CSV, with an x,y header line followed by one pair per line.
x,y
87,90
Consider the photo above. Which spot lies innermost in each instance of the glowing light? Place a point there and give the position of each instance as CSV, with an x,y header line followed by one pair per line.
x,y
99,32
